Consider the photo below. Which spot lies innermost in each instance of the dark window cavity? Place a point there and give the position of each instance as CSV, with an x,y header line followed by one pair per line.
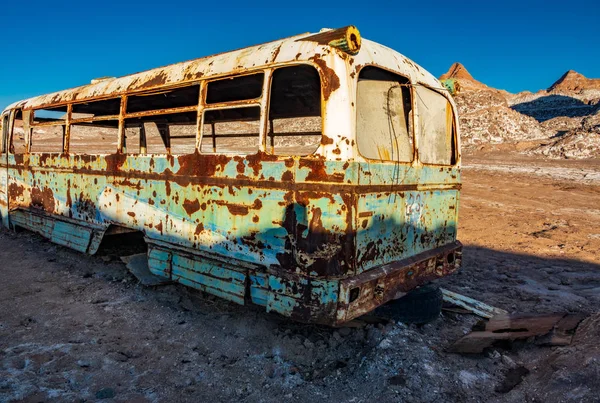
x,y
239,88
166,99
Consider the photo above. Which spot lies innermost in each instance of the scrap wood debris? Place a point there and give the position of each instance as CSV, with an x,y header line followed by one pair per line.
x,y
549,329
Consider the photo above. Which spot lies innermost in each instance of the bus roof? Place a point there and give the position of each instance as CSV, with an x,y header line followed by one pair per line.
x,y
300,48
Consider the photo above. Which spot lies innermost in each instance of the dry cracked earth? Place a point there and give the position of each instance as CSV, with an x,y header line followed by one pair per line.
x,y
80,328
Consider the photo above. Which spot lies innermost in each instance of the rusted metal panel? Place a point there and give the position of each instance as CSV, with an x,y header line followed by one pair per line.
x,y
362,293
73,235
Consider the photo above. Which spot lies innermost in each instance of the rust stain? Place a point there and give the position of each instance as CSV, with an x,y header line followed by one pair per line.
x,y
191,206
43,199
331,81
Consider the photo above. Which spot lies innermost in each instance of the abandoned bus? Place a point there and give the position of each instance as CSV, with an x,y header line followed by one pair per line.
x,y
317,176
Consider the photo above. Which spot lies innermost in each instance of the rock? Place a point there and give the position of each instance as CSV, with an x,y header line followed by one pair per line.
x,y
105,393
397,380
509,362
513,377
345,331
117,356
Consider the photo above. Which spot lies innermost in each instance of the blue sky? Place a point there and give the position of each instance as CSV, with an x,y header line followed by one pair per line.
x,y
514,45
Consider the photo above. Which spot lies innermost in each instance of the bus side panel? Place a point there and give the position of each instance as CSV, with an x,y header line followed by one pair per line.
x,y
19,183
394,225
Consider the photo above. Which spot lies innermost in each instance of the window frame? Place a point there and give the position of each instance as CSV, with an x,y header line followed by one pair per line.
x,y
270,136
454,141
5,131
10,145
262,102
72,122
33,125
411,128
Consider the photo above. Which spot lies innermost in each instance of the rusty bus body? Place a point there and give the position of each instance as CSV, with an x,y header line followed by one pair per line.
x,y
321,236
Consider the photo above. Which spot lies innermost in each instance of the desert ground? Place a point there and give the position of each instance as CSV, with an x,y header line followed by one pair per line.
x,y
81,328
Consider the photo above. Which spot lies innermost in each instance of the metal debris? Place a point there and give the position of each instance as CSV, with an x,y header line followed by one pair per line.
x,y
138,266
472,305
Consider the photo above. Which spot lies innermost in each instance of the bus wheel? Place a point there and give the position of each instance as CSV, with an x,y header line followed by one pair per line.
x,y
421,305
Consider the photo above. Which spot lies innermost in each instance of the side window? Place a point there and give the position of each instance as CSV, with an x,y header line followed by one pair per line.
x,y
95,127
47,130
435,129
231,118
162,122
4,132
18,144
295,111
384,116
235,130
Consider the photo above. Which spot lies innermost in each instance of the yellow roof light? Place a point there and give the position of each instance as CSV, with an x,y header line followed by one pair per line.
x,y
346,39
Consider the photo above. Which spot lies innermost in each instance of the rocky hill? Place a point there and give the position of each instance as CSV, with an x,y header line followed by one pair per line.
x,y
560,122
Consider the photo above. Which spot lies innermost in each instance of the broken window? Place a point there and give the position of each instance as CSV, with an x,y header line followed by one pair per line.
x,y
165,99
239,88
163,122
97,109
436,127
295,111
48,130
161,134
95,127
18,139
4,132
227,131
95,137
383,116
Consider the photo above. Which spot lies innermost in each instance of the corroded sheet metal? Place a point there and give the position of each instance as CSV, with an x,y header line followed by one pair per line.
x,y
298,237
363,293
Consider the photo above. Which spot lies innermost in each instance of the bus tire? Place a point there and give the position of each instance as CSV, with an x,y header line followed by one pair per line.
x,y
421,305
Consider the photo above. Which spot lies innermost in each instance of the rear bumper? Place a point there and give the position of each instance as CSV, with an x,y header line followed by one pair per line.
x,y
365,292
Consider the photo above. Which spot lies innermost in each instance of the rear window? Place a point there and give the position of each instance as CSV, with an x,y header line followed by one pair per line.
x,y
435,129
384,116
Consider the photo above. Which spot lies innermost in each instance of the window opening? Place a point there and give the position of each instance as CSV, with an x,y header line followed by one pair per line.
x,y
173,133
295,121
48,130
163,122
234,130
18,142
384,116
239,88
4,132
435,128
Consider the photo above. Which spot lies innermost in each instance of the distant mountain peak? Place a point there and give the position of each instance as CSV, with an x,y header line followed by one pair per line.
x,y
574,81
459,72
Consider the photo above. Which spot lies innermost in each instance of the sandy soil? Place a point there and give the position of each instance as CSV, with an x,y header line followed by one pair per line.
x,y
80,328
